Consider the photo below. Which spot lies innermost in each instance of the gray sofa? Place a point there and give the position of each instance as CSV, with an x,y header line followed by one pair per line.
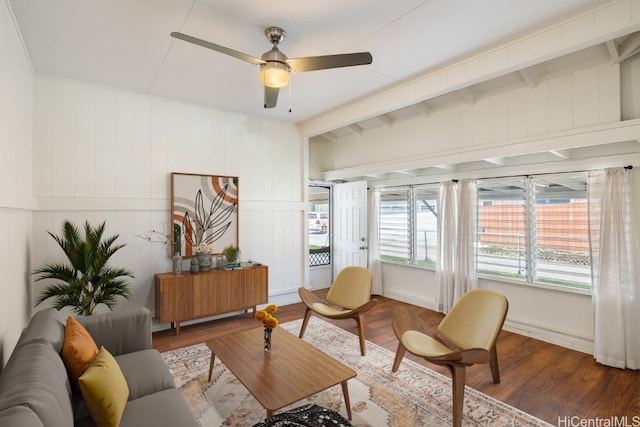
x,y
35,389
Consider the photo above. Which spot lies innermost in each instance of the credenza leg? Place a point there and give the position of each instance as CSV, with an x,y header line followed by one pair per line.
x,y
177,328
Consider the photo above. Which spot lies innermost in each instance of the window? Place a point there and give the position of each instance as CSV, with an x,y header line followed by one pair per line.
x,y
502,228
561,223
408,224
530,229
426,214
535,229
395,237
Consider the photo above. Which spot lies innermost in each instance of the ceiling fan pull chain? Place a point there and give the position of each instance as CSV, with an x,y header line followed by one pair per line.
x,y
290,84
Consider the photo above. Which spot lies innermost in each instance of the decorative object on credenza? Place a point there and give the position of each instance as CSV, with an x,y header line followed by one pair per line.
x,y
88,281
195,266
269,321
177,263
204,210
221,262
203,253
232,254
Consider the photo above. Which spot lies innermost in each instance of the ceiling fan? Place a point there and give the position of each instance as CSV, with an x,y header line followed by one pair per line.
x,y
275,67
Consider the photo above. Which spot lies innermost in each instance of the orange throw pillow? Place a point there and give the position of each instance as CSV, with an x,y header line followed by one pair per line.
x,y
79,350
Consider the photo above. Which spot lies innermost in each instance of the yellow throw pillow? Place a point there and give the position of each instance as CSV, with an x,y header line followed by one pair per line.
x,y
104,390
78,350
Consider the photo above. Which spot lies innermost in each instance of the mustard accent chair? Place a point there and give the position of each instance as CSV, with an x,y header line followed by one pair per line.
x,y
466,336
348,297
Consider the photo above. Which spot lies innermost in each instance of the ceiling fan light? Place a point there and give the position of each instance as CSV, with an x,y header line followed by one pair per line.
x,y
274,74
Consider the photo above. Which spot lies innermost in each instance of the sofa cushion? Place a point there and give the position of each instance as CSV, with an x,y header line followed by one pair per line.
x,y
35,377
166,408
78,351
120,331
145,372
45,325
19,416
104,390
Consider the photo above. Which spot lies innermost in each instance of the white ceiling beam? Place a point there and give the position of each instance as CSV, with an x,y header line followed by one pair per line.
x,y
329,136
385,119
448,168
592,136
422,108
528,77
409,172
614,53
355,129
498,161
630,46
377,175
562,154
467,95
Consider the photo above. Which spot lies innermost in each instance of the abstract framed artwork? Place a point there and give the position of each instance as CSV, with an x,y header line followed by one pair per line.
x,y
204,211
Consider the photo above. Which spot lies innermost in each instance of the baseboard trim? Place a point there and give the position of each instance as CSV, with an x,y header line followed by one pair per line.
x,y
410,299
562,339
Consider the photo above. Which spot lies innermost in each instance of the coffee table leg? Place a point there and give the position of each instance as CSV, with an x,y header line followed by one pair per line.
x,y
347,403
213,358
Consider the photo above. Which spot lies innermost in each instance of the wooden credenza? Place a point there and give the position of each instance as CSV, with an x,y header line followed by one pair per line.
x,y
189,296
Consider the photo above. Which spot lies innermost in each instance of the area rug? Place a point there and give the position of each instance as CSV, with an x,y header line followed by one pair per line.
x,y
413,396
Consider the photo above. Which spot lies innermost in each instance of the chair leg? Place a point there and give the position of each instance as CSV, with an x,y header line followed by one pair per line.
x,y
303,328
493,363
458,373
399,355
360,322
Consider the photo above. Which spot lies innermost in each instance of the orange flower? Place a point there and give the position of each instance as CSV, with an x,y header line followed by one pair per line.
x,y
266,317
271,308
260,315
271,322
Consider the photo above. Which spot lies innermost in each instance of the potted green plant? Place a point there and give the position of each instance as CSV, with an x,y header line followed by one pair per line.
x,y
88,281
232,253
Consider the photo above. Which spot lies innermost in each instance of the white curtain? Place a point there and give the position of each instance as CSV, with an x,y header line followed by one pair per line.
x,y
466,275
374,240
616,269
456,268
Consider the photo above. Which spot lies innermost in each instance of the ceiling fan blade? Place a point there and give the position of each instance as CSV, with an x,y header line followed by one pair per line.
x,y
270,96
227,51
312,63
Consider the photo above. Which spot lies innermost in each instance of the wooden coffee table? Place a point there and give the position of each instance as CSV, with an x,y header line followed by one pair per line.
x,y
293,370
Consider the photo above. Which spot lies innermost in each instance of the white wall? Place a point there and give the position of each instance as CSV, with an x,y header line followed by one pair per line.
x,y
15,183
102,154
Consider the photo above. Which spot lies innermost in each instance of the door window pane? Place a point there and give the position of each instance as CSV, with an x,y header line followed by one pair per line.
x,y
319,226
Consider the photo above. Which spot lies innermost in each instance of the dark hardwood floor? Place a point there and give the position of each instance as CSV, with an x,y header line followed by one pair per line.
x,y
550,382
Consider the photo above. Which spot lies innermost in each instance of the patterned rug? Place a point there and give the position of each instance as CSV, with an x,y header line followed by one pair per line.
x,y
413,396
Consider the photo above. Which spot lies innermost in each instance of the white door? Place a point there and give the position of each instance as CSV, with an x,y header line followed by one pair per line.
x,y
350,241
